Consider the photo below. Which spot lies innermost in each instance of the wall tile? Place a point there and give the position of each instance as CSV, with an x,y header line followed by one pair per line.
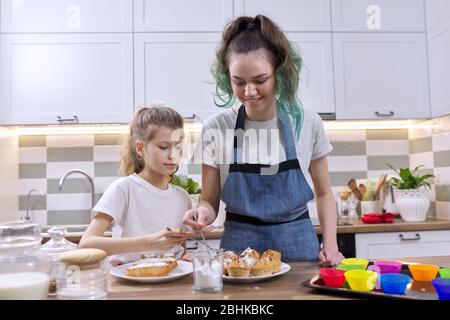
x,y
32,141
70,154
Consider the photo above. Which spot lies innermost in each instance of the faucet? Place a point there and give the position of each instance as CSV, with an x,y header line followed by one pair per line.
x,y
27,216
68,173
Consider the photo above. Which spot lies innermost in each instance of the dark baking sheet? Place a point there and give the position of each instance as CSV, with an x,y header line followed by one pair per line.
x,y
416,290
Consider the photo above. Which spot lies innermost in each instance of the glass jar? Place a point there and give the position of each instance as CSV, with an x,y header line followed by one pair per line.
x,y
81,277
54,247
24,271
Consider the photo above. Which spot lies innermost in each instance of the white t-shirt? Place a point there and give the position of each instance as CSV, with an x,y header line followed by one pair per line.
x,y
217,151
139,208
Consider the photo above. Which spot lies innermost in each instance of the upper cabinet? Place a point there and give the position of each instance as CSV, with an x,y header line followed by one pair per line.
x,y
438,11
438,22
175,67
181,15
70,78
316,90
298,15
31,16
380,76
378,15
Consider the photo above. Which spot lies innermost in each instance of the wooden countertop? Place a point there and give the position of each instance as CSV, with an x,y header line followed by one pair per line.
x,y
285,287
398,225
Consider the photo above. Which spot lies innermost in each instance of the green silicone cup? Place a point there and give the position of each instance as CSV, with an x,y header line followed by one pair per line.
x,y
444,272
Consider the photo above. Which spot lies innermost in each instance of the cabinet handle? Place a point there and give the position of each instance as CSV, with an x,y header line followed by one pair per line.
x,y
192,118
403,238
61,120
379,114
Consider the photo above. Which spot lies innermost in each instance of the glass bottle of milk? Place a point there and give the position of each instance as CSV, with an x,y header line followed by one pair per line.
x,y
24,272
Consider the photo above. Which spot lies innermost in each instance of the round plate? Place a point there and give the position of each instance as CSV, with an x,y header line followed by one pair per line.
x,y
183,268
284,268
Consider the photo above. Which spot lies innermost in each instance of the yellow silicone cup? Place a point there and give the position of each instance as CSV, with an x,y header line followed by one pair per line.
x,y
356,261
423,272
361,280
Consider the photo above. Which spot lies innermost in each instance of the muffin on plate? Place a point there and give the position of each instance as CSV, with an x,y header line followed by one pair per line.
x,y
249,252
228,256
262,267
238,269
276,265
271,254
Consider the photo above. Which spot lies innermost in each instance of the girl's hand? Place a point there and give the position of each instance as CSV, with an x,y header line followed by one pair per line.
x,y
198,218
166,239
330,256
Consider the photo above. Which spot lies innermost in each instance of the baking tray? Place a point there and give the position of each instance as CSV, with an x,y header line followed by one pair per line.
x,y
416,290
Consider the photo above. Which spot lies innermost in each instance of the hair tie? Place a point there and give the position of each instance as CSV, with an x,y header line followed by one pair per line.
x,y
251,26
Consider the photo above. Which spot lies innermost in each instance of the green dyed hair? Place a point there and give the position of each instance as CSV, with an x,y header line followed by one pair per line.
x,y
246,34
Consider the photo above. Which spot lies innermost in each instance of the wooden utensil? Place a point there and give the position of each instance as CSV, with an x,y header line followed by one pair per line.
x,y
354,187
380,184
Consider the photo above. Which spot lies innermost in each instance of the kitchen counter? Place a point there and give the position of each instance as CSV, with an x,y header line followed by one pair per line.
x,y
357,226
285,287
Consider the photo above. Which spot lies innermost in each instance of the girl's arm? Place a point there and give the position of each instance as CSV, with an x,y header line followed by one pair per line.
x,y
93,238
209,200
326,210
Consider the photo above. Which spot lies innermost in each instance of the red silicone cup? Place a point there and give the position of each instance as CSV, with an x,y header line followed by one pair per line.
x,y
389,266
333,278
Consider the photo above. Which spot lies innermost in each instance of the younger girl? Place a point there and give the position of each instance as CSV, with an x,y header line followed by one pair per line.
x,y
144,210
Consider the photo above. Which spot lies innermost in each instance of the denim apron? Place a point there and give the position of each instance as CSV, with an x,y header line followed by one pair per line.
x,y
268,211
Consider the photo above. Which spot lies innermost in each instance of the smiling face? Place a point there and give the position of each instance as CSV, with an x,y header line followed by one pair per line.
x,y
163,152
253,82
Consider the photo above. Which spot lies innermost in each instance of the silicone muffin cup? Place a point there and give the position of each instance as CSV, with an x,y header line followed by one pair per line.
x,y
394,283
423,272
361,280
442,287
356,261
333,278
389,266
444,272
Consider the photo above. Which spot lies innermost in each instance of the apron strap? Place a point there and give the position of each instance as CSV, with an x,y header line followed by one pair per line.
x,y
285,131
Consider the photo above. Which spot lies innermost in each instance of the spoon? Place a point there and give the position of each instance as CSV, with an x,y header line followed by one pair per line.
x,y
195,217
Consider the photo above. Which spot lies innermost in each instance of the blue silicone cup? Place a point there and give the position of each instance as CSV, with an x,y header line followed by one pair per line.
x,y
442,287
394,283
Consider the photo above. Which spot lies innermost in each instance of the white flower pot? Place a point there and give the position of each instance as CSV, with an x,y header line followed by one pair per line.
x,y
412,204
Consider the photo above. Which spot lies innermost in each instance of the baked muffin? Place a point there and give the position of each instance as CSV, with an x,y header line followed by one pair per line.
x,y
228,256
249,252
276,265
149,269
238,269
272,254
262,267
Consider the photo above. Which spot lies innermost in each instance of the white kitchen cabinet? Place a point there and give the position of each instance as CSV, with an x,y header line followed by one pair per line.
x,y
175,68
437,12
402,244
38,16
298,15
378,15
44,76
316,90
439,64
181,15
381,76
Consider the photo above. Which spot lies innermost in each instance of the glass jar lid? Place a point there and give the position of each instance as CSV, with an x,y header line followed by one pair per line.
x,y
19,237
57,242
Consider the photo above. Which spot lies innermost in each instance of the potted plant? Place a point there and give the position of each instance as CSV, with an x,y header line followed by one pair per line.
x,y
411,193
191,187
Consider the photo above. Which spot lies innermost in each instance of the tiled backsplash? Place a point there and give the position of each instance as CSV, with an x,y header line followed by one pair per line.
x,y
359,154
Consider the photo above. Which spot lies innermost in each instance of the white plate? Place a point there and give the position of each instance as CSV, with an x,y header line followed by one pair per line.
x,y
284,268
183,268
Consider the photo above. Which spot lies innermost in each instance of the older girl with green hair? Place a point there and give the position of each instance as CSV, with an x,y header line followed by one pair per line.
x,y
266,194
